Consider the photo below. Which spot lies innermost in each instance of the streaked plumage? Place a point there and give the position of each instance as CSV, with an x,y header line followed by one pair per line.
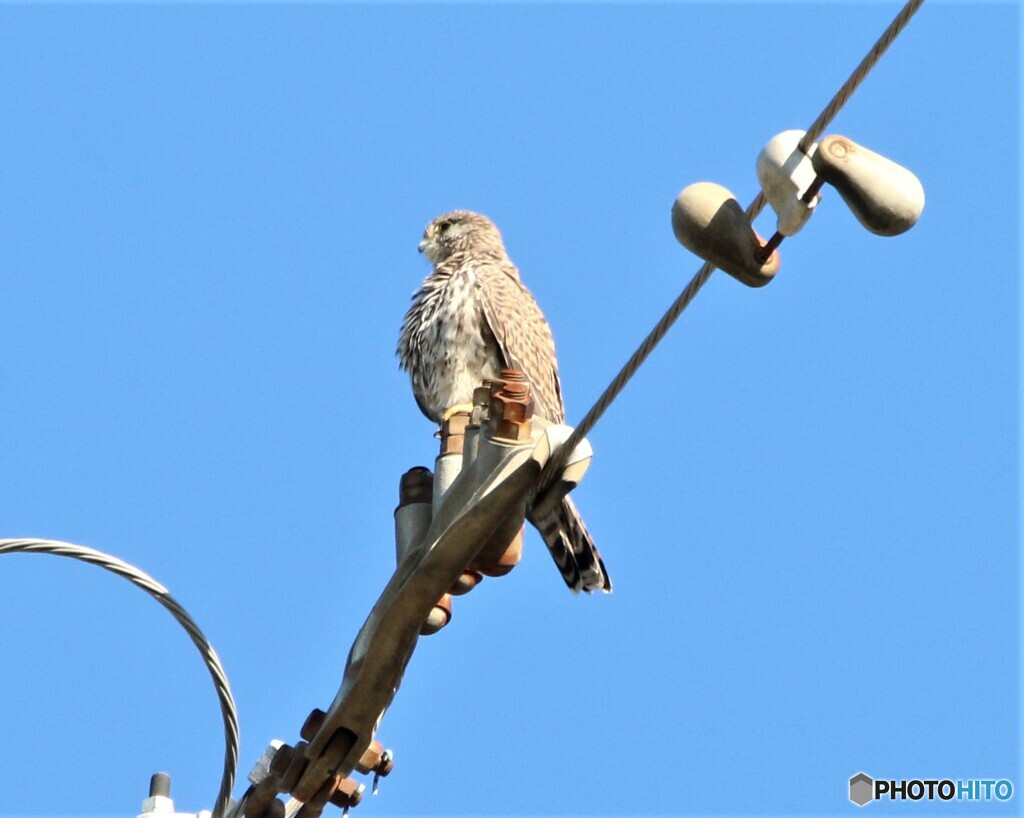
x,y
471,317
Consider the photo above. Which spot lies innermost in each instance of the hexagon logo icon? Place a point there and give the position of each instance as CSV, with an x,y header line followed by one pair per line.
x,y
862,789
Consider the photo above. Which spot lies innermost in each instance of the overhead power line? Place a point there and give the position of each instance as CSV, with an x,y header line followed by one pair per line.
x,y
555,465
316,773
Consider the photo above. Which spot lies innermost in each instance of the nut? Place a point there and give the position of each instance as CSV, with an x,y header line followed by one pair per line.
x,y
453,433
348,793
511,411
371,757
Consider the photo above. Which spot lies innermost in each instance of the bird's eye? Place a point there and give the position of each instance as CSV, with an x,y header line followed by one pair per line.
x,y
443,226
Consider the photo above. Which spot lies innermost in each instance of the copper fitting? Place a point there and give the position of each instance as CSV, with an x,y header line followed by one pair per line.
x,y
440,616
370,758
342,792
511,411
416,486
376,760
348,793
497,560
453,433
512,376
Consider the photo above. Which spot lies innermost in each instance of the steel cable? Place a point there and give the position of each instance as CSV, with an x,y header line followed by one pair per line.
x,y
162,595
557,462
553,467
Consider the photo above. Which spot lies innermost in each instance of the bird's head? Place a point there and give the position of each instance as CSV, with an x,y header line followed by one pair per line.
x,y
460,231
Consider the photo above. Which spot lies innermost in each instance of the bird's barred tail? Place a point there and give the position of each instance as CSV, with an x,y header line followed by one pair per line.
x,y
573,549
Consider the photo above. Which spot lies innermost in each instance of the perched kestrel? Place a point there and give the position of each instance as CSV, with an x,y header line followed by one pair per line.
x,y
472,317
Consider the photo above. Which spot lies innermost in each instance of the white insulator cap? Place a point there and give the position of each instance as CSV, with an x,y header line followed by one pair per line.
x,y
785,173
708,221
885,197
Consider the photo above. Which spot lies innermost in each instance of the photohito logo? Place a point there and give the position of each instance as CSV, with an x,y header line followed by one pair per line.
x,y
864,789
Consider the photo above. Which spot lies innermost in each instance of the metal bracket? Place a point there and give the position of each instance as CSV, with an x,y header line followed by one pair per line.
x,y
489,494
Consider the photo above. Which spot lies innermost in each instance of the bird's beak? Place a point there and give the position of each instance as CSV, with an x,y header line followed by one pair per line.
x,y
423,246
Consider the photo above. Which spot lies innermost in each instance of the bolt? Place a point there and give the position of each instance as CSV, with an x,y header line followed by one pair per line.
x,y
370,757
160,784
342,792
765,252
376,760
812,190
511,411
329,791
386,765
348,793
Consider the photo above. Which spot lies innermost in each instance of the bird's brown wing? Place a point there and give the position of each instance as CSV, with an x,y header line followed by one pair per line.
x,y
524,338
522,334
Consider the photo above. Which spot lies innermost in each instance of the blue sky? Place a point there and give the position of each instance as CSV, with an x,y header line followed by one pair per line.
x,y
808,497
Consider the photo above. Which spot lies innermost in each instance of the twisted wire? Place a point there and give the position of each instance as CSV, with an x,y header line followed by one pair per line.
x,y
558,460
860,72
142,580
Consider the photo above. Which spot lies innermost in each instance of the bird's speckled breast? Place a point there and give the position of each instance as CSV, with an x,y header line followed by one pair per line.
x,y
446,343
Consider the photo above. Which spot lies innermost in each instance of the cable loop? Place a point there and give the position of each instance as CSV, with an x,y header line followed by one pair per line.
x,y
144,581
